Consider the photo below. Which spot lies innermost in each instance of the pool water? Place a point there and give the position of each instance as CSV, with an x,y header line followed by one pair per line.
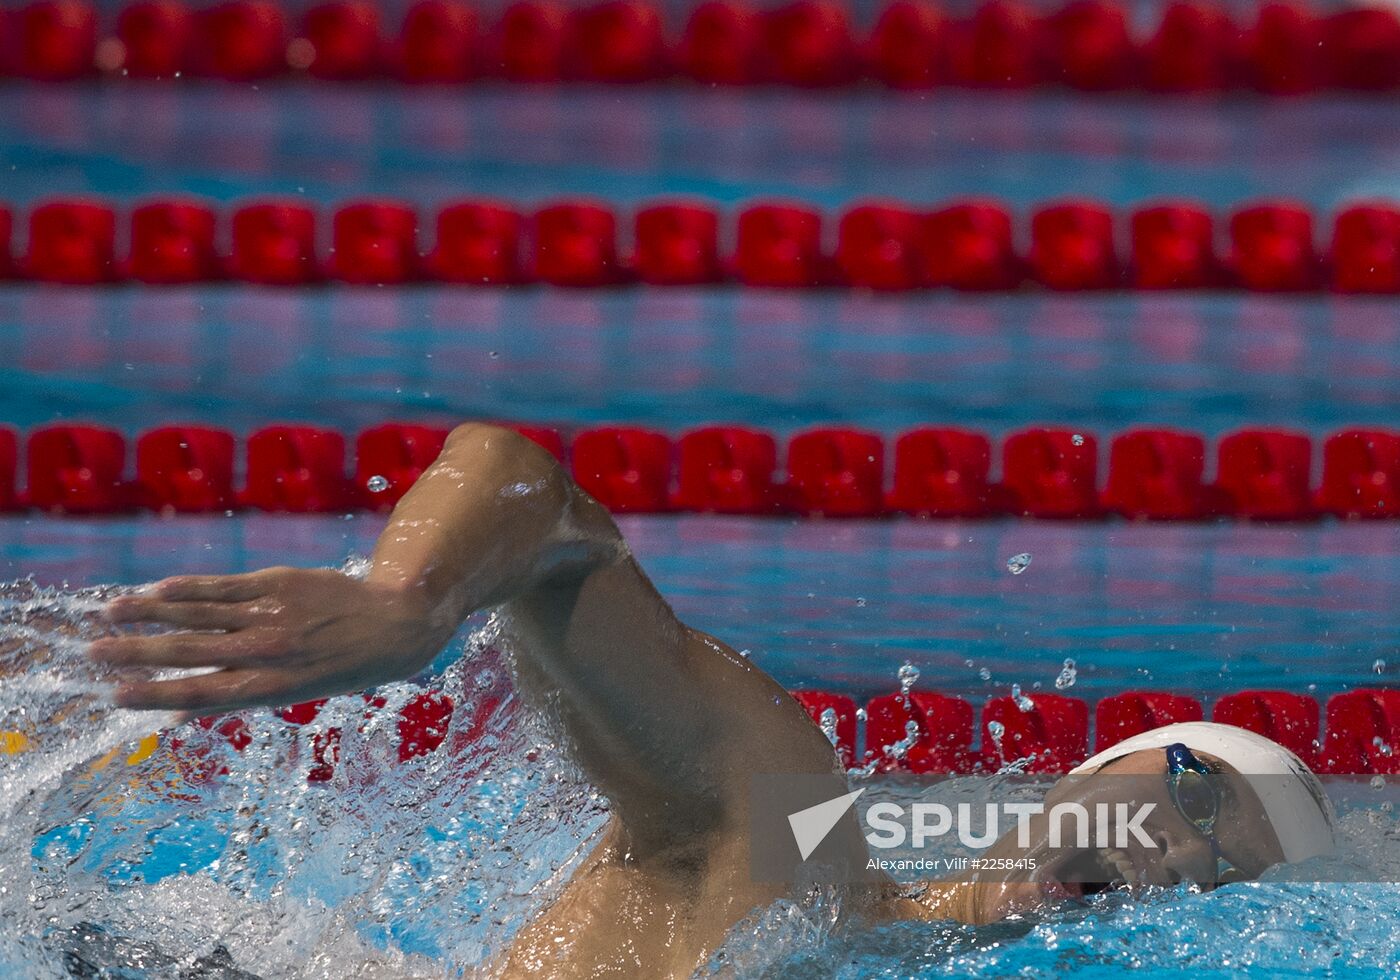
x,y
1200,609
524,143
172,856
350,358
144,868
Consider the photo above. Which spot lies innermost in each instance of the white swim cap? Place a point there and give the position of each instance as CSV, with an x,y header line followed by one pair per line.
x,y
1294,800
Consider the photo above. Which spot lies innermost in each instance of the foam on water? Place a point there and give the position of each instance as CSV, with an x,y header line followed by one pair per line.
x,y
199,855
189,857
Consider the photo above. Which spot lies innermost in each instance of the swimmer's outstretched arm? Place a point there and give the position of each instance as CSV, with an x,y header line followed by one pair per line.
x,y
665,720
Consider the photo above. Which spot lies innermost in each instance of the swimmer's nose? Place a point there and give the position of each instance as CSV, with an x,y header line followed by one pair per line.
x,y
1179,858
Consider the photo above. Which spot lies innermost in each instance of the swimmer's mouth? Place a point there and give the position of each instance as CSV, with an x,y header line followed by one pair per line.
x,y
1090,871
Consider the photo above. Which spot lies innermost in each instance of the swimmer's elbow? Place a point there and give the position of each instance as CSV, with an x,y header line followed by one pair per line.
x,y
525,473
506,459
496,445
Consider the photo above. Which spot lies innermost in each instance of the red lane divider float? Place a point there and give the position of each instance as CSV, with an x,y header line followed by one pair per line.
x,y
942,473
78,470
1051,731
927,732
1050,473
727,470
1289,719
297,469
629,470
1153,474
1272,248
186,469
1194,47
1157,474
836,473
71,242
933,731
173,242
836,714
478,243
1124,715
887,246
390,458
1361,474
274,244
9,467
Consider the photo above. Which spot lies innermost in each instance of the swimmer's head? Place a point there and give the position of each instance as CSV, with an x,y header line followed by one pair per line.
x,y
1294,803
1227,804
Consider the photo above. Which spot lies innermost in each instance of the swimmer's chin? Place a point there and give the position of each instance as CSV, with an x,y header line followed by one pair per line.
x,y
980,901
994,901
1049,887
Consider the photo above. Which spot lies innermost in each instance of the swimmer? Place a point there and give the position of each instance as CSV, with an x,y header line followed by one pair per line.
x,y
667,722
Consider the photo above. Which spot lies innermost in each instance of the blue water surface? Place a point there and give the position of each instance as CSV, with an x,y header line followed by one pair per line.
x,y
1202,610
334,142
350,358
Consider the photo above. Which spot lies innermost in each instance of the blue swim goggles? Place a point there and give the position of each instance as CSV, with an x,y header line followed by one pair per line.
x,y
1198,800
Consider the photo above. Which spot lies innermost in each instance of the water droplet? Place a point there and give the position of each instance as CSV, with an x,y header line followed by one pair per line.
x,y
495,354
860,715
996,730
1378,667
1077,439
1017,564
1378,782
377,484
1022,702
911,737
1068,675
860,601
828,724
985,674
908,676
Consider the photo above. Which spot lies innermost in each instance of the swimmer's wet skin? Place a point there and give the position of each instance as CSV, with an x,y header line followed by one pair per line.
x,y
669,723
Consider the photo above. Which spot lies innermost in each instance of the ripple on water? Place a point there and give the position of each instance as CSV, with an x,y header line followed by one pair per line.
x,y
169,858
182,849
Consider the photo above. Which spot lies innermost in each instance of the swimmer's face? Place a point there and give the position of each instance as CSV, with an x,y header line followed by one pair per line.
x,y
1182,852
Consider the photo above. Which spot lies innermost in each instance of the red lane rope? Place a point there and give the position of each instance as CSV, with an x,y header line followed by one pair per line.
x,y
968,244
1284,48
1052,730
1049,731
1153,474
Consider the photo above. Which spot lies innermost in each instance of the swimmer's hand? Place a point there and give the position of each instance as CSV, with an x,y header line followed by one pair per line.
x,y
276,636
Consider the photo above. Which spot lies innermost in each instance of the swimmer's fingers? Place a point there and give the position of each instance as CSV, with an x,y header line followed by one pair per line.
x,y
183,650
191,615
216,693
215,588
